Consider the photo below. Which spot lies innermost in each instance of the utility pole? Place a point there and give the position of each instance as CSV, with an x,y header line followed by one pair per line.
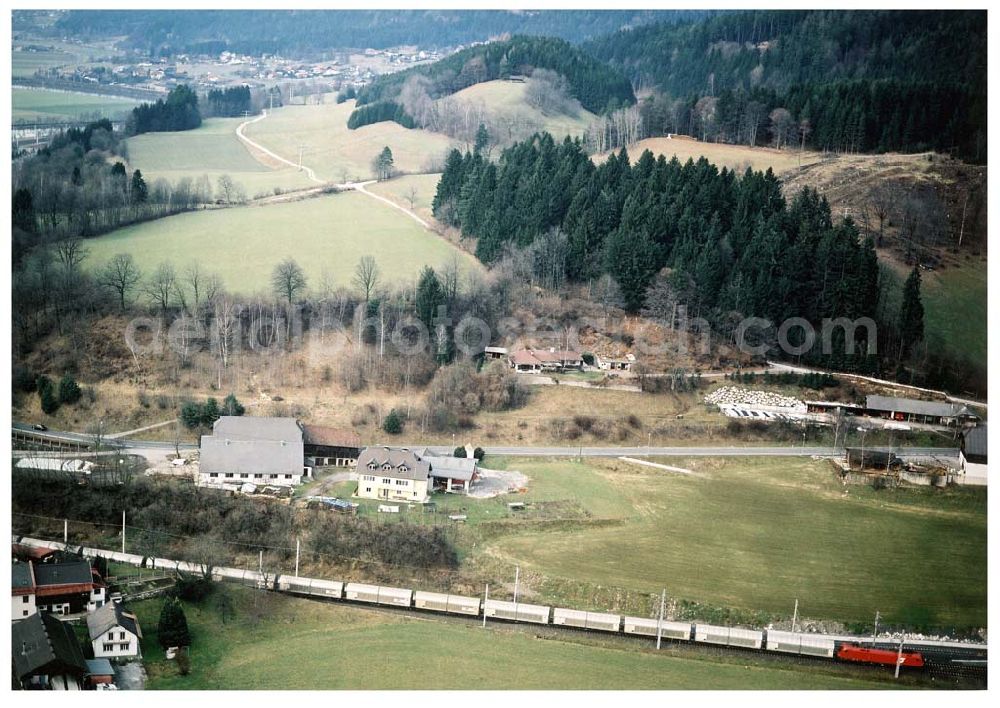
x,y
260,563
65,531
875,635
123,530
899,655
659,622
300,156
795,614
517,580
296,557
485,600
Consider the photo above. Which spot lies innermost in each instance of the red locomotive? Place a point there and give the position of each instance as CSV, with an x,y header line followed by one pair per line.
x,y
869,655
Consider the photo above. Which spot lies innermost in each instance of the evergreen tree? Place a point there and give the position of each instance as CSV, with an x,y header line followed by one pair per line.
x,y
23,210
911,315
383,164
172,630
140,193
49,402
231,406
393,423
482,139
430,295
210,412
191,415
69,390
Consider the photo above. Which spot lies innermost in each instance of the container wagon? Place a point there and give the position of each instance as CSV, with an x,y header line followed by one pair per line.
x,y
728,636
442,602
517,611
586,620
799,643
668,630
312,587
379,595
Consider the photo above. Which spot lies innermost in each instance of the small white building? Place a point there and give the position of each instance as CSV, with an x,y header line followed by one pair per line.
x,y
114,632
22,591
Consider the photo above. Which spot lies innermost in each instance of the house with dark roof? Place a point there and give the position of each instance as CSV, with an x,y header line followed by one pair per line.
x,y
255,450
46,654
909,410
59,588
454,475
393,474
972,455
325,446
114,632
538,360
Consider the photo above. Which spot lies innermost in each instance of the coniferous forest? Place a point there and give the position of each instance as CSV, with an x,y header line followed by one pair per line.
x,y
178,112
732,245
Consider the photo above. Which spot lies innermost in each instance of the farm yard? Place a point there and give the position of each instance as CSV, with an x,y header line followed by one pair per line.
x,y
334,645
341,155
750,534
212,150
326,233
32,104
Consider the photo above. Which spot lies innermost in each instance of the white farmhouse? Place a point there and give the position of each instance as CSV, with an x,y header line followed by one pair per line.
x,y
114,632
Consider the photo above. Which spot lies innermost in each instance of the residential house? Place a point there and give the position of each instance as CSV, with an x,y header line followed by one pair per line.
x,y
46,654
538,360
393,474
22,591
331,446
59,588
973,455
114,632
256,450
607,363
495,352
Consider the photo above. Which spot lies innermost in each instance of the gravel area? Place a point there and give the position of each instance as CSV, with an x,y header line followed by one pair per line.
x,y
493,483
130,676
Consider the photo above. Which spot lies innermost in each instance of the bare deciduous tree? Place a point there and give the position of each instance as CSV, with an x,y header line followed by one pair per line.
x,y
121,274
366,275
161,285
288,279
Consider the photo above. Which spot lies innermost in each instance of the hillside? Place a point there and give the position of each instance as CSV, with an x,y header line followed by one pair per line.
x,y
594,84
864,81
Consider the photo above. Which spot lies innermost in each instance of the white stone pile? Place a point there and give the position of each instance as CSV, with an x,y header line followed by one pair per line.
x,y
736,396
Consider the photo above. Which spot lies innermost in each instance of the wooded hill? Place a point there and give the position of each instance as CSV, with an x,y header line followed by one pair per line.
x,y
595,85
858,81
733,245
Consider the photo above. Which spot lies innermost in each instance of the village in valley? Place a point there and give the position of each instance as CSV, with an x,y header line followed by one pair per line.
x,y
617,346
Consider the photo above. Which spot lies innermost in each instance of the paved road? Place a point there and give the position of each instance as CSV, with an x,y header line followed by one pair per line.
x,y
576,451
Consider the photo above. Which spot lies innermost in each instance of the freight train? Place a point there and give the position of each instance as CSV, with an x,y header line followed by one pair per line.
x,y
803,644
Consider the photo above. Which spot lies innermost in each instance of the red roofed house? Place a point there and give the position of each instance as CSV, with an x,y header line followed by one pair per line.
x,y
60,588
537,360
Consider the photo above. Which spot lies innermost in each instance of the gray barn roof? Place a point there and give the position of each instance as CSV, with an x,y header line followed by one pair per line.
x,y
915,407
99,667
21,576
416,467
240,427
461,468
251,445
42,644
111,615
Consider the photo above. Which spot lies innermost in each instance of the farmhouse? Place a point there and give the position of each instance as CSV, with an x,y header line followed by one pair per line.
x,y
537,360
46,654
397,474
60,588
114,632
606,363
913,411
973,455
251,449
331,446
495,352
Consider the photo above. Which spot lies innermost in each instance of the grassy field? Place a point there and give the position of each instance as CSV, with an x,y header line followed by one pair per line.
x,y
955,308
757,534
243,244
332,647
46,105
735,157
213,150
506,100
338,154
399,189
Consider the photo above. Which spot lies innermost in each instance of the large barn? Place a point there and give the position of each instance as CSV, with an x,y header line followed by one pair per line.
x,y
910,410
256,450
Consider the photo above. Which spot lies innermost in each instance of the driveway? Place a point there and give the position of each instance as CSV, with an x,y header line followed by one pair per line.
x,y
130,676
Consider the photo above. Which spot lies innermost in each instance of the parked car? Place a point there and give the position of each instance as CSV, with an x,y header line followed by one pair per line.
x,y
38,426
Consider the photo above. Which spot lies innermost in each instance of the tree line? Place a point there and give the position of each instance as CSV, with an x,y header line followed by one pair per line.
x,y
714,244
178,112
860,80
230,102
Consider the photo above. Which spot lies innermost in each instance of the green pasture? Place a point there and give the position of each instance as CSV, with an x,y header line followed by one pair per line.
x,y
46,105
